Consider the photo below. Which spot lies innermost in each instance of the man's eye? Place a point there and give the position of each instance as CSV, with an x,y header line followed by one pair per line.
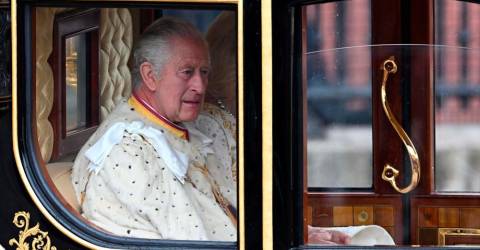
x,y
187,72
205,72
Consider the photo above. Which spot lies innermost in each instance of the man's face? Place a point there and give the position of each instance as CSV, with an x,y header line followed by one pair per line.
x,y
182,82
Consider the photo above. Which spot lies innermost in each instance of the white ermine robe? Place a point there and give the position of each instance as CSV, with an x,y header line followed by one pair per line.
x,y
148,178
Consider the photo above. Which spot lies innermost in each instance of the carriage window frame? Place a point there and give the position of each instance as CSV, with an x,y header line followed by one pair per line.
x,y
66,26
296,183
32,168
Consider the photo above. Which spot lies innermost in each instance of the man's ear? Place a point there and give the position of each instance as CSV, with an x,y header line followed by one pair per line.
x,y
148,76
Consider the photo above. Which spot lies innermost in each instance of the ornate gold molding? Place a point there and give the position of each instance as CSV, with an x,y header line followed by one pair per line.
x,y
40,239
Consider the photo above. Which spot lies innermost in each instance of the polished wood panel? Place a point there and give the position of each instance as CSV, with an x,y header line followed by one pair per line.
x,y
421,81
339,209
322,216
470,217
309,215
428,236
387,147
362,215
448,217
428,217
451,209
342,216
384,216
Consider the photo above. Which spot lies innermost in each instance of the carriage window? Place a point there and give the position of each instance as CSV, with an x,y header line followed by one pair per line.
x,y
75,111
75,72
392,115
339,95
457,92
85,63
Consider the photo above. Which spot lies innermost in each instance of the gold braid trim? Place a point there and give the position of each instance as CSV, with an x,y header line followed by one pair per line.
x,y
227,208
221,200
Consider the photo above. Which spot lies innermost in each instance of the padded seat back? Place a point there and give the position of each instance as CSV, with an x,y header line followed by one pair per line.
x,y
60,173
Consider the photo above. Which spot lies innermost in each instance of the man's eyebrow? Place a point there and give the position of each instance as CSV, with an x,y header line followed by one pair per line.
x,y
185,65
193,65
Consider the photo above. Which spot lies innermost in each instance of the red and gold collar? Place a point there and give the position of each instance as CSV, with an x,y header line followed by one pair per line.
x,y
149,112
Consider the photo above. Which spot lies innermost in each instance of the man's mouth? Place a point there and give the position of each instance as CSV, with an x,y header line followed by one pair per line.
x,y
192,102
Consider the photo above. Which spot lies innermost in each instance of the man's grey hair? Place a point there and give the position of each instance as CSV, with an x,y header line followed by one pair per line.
x,y
154,44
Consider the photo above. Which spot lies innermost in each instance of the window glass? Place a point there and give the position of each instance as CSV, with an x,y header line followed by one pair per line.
x,y
457,94
192,181
339,120
75,79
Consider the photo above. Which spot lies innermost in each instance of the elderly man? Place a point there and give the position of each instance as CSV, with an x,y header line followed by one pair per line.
x,y
163,165
148,171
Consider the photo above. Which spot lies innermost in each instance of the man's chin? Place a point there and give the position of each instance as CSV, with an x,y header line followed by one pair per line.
x,y
189,117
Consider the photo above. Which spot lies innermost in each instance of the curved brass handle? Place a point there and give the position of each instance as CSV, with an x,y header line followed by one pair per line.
x,y
389,172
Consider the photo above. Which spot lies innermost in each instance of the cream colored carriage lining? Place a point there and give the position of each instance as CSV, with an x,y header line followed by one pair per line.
x,y
116,37
114,76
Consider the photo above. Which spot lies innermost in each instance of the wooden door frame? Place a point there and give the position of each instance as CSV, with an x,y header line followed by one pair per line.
x,y
389,26
412,101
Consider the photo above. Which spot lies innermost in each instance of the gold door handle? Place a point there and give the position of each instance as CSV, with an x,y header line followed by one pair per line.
x,y
389,172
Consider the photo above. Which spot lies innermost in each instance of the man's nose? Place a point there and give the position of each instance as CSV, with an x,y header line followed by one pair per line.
x,y
199,83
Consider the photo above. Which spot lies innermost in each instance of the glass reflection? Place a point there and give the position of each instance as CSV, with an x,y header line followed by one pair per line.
x,y
457,118
457,92
75,79
339,95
